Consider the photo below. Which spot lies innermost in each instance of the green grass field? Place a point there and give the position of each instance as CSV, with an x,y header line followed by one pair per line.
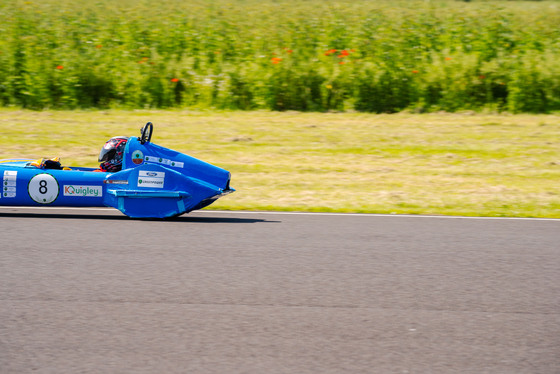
x,y
451,164
307,74
306,55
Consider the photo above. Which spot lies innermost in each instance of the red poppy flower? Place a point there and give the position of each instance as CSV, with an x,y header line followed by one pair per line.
x,y
415,71
174,80
60,67
276,60
344,53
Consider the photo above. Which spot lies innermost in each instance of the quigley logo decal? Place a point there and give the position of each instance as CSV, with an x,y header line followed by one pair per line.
x,y
83,191
137,157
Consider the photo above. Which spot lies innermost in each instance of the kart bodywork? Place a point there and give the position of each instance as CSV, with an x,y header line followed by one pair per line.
x,y
155,182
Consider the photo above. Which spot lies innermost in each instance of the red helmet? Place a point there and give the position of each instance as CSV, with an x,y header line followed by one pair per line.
x,y
112,153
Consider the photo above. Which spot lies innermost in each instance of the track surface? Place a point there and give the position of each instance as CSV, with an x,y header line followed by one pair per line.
x,y
215,292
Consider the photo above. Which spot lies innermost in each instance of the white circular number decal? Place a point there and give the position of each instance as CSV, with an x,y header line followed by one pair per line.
x,y
43,188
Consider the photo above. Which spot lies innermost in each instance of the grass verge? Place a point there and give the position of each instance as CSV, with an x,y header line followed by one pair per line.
x,y
449,164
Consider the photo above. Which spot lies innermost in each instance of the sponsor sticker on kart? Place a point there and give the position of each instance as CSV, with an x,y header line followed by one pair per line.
x,y
137,157
151,179
176,164
83,191
115,181
164,161
10,175
9,184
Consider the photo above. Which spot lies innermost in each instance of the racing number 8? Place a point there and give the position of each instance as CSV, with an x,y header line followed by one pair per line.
x,y
43,187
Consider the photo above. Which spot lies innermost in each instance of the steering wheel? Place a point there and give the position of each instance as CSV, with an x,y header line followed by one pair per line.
x,y
146,133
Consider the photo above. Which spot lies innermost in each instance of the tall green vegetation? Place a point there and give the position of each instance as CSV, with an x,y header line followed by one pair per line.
x,y
308,55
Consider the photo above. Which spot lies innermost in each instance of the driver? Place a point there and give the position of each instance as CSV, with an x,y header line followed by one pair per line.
x,y
111,154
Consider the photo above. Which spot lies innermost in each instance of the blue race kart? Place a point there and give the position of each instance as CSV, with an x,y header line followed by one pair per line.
x,y
155,182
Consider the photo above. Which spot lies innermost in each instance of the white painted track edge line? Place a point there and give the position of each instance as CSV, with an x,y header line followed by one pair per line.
x,y
209,211
373,215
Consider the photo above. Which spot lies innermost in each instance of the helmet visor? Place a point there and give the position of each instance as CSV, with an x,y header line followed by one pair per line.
x,y
106,154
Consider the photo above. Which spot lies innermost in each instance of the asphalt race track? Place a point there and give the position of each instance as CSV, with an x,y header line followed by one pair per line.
x,y
92,291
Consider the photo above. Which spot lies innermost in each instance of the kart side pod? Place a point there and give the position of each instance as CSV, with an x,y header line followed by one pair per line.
x,y
157,192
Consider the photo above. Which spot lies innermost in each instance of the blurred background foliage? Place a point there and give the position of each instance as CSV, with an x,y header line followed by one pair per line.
x,y
305,55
